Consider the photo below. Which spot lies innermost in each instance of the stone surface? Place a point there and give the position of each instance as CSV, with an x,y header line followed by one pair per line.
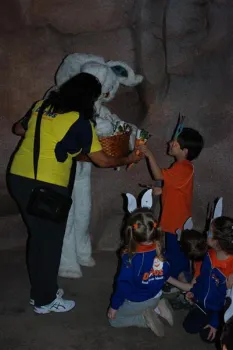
x,y
85,327
78,16
184,50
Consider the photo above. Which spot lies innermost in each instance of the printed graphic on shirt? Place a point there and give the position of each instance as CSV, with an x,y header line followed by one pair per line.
x,y
216,279
156,272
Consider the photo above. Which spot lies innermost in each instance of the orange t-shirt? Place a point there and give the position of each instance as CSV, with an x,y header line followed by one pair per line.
x,y
177,195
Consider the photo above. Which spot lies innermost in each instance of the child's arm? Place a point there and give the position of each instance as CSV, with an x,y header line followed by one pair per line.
x,y
155,169
181,285
123,287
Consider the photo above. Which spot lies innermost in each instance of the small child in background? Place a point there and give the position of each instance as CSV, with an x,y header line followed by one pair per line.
x,y
142,275
194,245
227,333
208,294
177,192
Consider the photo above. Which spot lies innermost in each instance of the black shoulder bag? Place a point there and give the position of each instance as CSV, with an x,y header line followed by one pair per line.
x,y
45,202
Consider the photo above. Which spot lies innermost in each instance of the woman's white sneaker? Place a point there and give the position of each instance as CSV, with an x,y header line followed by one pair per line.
x,y
58,305
59,294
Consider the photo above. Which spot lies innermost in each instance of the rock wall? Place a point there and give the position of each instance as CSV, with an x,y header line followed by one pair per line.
x,y
184,50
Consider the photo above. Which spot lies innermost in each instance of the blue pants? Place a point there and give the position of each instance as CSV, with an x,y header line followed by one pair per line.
x,y
177,259
195,322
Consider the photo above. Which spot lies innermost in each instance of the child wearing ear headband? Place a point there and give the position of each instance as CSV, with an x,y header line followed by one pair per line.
x,y
209,292
143,272
227,333
177,191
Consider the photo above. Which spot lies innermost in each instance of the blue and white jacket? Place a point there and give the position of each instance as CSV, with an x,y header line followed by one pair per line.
x,y
140,279
210,289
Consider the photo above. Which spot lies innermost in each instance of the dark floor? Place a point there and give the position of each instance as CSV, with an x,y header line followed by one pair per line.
x,y
85,327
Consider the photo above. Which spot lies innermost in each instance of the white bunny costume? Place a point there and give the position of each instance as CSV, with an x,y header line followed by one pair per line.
x,y
77,245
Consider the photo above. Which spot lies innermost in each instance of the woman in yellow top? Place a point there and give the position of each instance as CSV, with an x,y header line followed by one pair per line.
x,y
66,130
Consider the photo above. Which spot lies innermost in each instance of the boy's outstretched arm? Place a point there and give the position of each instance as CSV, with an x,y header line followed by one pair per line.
x,y
155,169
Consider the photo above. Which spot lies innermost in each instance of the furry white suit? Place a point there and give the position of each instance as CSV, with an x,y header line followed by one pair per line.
x,y
77,249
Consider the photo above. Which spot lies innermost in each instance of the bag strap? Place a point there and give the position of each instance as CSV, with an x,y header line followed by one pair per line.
x,y
36,149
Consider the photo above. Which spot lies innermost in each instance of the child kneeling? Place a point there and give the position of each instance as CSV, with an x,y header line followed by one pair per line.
x,y
136,300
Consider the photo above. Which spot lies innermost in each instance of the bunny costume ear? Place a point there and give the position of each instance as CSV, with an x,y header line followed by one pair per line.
x,y
229,312
124,73
218,208
147,199
132,202
106,77
72,64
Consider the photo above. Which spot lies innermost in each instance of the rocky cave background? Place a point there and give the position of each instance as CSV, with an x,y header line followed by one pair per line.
x,y
184,50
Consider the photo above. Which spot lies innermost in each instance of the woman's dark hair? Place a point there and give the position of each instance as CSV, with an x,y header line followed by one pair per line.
x,y
140,227
194,244
222,228
191,140
227,334
78,94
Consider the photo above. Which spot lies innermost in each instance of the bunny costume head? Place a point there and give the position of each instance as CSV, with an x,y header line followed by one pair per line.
x,y
110,74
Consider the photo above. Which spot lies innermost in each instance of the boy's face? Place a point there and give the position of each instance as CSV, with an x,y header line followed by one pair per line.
x,y
174,149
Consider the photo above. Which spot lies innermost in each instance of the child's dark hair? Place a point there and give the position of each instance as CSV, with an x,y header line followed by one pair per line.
x,y
226,337
192,141
140,227
222,228
194,244
78,94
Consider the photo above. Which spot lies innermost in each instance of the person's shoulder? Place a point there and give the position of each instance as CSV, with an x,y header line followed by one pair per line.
x,y
184,166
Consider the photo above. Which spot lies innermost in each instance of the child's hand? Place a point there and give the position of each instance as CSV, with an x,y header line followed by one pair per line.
x,y
230,281
157,191
212,332
111,313
145,150
189,297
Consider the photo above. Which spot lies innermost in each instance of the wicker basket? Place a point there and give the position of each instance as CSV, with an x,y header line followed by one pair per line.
x,y
115,146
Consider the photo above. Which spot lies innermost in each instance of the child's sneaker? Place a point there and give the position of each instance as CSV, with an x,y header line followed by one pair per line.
x,y
153,322
58,305
165,311
59,294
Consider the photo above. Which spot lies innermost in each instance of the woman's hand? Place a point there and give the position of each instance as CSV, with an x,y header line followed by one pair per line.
x,y
135,156
111,313
212,332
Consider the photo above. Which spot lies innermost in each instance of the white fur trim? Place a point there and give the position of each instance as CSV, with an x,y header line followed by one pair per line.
x,y
132,79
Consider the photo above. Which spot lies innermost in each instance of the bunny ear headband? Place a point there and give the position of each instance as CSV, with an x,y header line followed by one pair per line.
x,y
188,225
179,127
146,201
229,312
216,213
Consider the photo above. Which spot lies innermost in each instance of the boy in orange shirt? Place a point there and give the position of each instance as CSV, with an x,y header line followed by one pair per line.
x,y
177,190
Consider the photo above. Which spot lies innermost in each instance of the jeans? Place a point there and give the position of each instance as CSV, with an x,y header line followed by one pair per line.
x,y
131,313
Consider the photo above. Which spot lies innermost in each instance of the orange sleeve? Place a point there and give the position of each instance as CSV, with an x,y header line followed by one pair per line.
x,y
178,175
197,268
